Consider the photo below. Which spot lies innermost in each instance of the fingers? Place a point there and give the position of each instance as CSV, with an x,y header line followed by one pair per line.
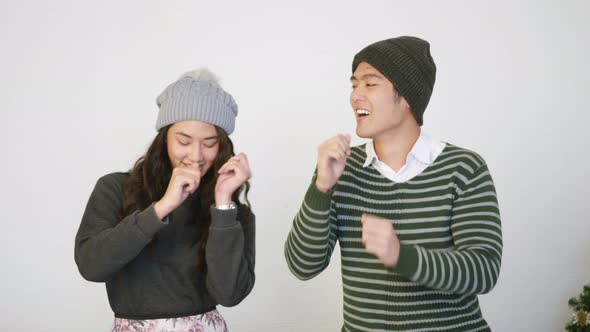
x,y
192,169
375,230
373,225
231,176
237,164
242,157
184,180
336,154
341,140
380,239
344,142
337,148
229,165
347,138
187,178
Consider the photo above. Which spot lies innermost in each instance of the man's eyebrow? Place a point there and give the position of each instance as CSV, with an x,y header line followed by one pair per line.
x,y
364,77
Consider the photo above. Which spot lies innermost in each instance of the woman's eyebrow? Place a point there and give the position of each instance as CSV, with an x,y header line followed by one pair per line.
x,y
189,136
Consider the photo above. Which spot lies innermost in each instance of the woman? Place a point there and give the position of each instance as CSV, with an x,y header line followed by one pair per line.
x,y
166,237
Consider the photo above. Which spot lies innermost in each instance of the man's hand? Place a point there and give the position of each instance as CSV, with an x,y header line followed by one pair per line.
x,y
380,239
332,155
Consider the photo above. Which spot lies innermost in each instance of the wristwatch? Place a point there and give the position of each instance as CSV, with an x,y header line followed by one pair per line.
x,y
229,206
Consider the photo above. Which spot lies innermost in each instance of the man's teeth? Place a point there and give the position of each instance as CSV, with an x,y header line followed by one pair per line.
x,y
362,112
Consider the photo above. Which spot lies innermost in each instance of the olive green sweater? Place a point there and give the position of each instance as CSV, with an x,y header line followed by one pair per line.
x,y
448,223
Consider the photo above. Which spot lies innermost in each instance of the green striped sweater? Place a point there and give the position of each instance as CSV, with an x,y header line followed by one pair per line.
x,y
448,223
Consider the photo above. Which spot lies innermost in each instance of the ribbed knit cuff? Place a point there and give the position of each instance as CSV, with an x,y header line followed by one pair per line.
x,y
316,199
149,223
223,218
407,264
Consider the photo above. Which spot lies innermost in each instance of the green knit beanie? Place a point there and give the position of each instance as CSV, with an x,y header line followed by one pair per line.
x,y
407,63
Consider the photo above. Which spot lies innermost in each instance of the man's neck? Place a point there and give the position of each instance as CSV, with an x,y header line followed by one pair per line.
x,y
393,147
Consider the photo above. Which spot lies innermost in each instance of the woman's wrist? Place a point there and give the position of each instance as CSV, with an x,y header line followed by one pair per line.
x,y
223,201
161,210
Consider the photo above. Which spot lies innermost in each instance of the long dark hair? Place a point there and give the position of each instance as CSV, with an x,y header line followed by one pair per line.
x,y
151,173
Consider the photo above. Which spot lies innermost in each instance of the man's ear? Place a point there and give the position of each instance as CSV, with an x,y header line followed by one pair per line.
x,y
405,104
406,107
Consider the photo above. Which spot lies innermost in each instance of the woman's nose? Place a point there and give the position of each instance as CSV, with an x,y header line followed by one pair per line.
x,y
196,155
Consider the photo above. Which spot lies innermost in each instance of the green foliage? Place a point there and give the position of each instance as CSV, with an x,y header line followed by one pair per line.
x,y
580,321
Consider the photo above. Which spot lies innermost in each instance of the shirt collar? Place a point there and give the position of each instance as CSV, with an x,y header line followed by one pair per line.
x,y
420,151
370,151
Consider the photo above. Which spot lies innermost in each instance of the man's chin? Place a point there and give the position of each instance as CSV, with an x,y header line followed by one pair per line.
x,y
363,134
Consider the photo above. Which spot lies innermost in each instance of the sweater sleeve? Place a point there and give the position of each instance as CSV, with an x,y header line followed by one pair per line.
x,y
312,238
230,255
104,244
473,265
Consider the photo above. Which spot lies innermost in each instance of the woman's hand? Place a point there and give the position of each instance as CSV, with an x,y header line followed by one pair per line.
x,y
232,175
183,182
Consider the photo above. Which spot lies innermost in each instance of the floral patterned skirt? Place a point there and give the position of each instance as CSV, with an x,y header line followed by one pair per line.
x,y
211,321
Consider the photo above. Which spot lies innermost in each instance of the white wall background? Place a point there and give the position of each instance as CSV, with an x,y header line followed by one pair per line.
x,y
78,82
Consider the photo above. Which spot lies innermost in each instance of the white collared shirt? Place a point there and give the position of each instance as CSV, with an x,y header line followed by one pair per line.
x,y
423,153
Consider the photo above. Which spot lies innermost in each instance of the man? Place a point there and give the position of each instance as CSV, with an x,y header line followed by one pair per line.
x,y
417,219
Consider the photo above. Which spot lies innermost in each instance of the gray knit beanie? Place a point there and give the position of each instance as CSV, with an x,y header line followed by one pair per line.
x,y
197,95
407,63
